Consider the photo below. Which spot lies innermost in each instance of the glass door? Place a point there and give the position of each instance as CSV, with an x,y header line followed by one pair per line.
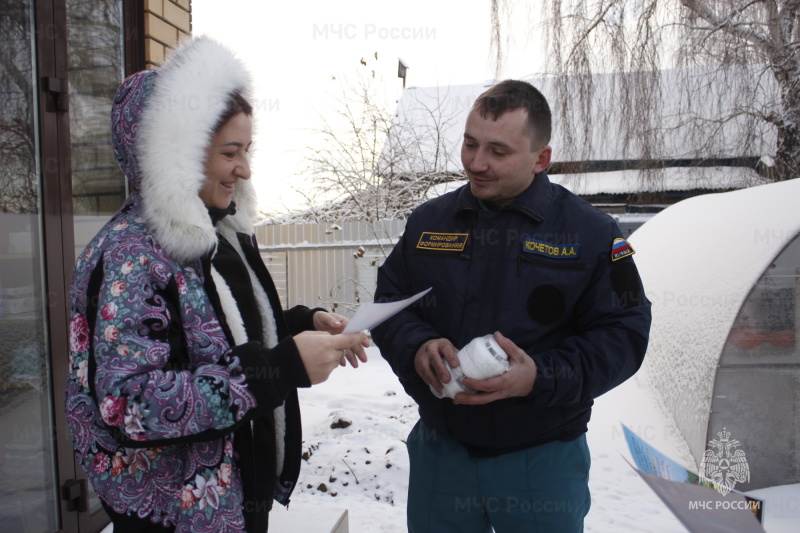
x,y
60,64
95,44
28,494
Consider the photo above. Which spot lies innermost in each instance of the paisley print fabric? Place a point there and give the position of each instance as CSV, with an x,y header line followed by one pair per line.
x,y
127,109
156,390
147,386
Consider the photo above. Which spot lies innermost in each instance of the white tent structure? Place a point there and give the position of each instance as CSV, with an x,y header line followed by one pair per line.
x,y
723,273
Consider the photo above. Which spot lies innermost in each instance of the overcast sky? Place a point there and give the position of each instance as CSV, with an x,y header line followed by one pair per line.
x,y
296,49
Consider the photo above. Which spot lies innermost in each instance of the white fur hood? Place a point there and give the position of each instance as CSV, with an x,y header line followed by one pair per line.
x,y
162,123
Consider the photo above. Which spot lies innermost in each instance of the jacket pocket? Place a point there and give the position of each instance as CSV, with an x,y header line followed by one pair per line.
x,y
557,264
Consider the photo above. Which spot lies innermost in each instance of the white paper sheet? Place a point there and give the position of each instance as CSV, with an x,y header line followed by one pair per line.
x,y
370,315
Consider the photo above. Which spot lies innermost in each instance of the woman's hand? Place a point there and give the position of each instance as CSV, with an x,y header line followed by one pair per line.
x,y
329,322
321,352
333,323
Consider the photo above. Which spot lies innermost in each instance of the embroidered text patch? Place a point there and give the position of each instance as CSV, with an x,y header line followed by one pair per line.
x,y
555,251
449,242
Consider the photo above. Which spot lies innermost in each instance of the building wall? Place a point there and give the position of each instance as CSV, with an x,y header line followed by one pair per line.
x,y
166,23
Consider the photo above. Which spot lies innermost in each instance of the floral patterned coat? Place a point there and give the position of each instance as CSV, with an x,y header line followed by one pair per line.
x,y
158,380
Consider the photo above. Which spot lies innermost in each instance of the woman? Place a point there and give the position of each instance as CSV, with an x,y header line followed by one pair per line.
x,y
183,370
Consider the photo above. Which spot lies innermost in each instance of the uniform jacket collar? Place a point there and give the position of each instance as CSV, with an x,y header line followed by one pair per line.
x,y
534,202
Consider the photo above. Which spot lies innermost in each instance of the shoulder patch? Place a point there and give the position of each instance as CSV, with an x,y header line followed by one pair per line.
x,y
621,248
553,251
447,242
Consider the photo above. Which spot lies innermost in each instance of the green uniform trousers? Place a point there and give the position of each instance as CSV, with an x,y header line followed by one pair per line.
x,y
543,489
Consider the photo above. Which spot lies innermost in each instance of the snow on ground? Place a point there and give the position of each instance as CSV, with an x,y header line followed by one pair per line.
x,y
364,466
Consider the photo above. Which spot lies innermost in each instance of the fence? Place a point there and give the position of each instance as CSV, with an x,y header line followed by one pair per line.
x,y
334,266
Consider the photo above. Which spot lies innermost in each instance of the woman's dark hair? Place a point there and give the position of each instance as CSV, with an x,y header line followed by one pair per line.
x,y
236,104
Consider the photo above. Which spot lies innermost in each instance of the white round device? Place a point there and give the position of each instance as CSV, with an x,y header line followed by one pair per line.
x,y
482,358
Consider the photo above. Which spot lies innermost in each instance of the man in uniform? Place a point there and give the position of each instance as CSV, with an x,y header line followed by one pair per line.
x,y
510,253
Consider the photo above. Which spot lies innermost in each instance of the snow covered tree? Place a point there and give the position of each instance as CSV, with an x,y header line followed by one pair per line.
x,y
371,164
734,65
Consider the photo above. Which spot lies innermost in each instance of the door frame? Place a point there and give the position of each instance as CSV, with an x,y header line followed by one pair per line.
x,y
57,222
56,205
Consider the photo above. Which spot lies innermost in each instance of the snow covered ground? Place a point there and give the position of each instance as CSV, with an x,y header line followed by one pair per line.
x,y
363,467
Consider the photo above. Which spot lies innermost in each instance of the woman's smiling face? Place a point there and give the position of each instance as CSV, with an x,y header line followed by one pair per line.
x,y
226,161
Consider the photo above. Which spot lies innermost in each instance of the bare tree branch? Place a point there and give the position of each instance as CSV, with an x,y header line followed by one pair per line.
x,y
726,23
373,165
718,75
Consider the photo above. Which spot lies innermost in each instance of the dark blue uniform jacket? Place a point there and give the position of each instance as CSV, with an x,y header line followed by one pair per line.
x,y
551,273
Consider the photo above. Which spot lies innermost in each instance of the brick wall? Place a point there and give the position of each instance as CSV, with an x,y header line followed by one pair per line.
x,y
166,22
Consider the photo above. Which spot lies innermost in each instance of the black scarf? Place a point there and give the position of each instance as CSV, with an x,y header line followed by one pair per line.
x,y
254,443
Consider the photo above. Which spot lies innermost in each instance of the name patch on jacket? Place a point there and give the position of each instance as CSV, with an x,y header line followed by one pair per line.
x,y
620,248
449,242
554,251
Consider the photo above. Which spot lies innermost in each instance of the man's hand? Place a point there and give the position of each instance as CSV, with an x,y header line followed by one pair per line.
x,y
517,381
429,365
